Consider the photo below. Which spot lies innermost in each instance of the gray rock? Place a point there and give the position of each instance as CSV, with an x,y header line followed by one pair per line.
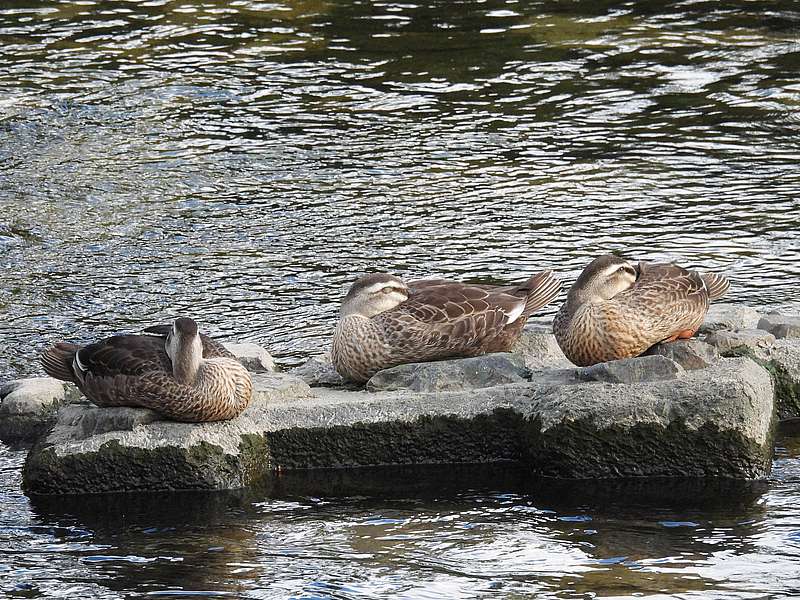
x,y
632,370
538,346
318,371
716,422
690,354
28,407
729,316
451,375
781,326
253,357
783,361
726,341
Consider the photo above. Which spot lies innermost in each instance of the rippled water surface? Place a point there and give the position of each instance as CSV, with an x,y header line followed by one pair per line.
x,y
241,162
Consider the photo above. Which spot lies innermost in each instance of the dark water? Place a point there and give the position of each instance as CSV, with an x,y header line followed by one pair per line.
x,y
445,535
241,162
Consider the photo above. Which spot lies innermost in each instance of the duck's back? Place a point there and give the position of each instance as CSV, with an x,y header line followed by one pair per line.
x,y
442,320
664,300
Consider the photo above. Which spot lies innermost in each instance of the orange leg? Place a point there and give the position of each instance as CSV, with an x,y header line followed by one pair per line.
x,y
681,335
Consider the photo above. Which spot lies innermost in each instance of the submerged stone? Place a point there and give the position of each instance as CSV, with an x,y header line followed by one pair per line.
x,y
715,422
452,375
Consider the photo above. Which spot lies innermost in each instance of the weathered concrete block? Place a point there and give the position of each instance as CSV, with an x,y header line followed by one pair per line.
x,y
93,449
690,354
725,341
28,407
452,375
729,316
781,326
318,371
632,370
253,357
538,346
713,422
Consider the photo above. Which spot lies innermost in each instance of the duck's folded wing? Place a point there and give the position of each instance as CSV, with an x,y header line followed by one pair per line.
x,y
667,297
450,317
156,390
124,355
211,347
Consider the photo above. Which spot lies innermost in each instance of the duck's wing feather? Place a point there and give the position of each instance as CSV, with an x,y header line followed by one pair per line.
x,y
156,390
161,392
666,298
448,319
211,347
57,361
125,355
538,290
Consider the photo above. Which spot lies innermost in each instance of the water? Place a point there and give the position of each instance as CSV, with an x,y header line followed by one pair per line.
x,y
240,162
453,534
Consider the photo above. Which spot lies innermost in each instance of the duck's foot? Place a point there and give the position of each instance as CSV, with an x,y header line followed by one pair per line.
x,y
681,335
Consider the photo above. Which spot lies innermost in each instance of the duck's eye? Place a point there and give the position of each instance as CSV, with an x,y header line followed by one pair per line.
x,y
387,290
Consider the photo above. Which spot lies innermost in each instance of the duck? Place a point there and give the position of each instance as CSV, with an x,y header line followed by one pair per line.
x,y
617,309
174,370
385,322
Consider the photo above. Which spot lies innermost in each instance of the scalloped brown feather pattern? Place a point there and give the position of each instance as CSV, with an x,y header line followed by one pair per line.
x,y
135,370
666,300
441,319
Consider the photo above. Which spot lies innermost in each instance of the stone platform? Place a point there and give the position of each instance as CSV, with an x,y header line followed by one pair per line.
x,y
687,409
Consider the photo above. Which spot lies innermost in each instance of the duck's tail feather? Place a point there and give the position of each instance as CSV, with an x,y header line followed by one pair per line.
x,y
541,290
717,285
57,361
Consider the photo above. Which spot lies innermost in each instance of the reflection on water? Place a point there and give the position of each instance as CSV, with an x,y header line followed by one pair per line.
x,y
242,161
469,533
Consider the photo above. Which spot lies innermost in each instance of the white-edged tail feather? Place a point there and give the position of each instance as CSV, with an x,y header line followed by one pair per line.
x,y
542,289
717,285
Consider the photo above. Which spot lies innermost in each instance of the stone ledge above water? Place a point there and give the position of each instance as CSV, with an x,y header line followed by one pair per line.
x,y
713,422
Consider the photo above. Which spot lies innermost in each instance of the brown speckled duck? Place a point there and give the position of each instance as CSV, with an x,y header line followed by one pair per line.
x,y
617,310
175,371
385,322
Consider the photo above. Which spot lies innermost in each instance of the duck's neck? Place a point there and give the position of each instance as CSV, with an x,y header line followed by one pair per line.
x,y
188,363
575,300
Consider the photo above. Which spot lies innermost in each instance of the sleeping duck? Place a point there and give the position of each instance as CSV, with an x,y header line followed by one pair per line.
x,y
385,322
175,371
617,309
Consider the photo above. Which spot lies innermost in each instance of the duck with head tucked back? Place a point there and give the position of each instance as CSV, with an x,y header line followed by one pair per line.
x,y
175,371
616,309
385,322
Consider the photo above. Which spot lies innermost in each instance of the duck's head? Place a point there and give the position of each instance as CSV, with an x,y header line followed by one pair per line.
x,y
373,294
183,343
603,278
